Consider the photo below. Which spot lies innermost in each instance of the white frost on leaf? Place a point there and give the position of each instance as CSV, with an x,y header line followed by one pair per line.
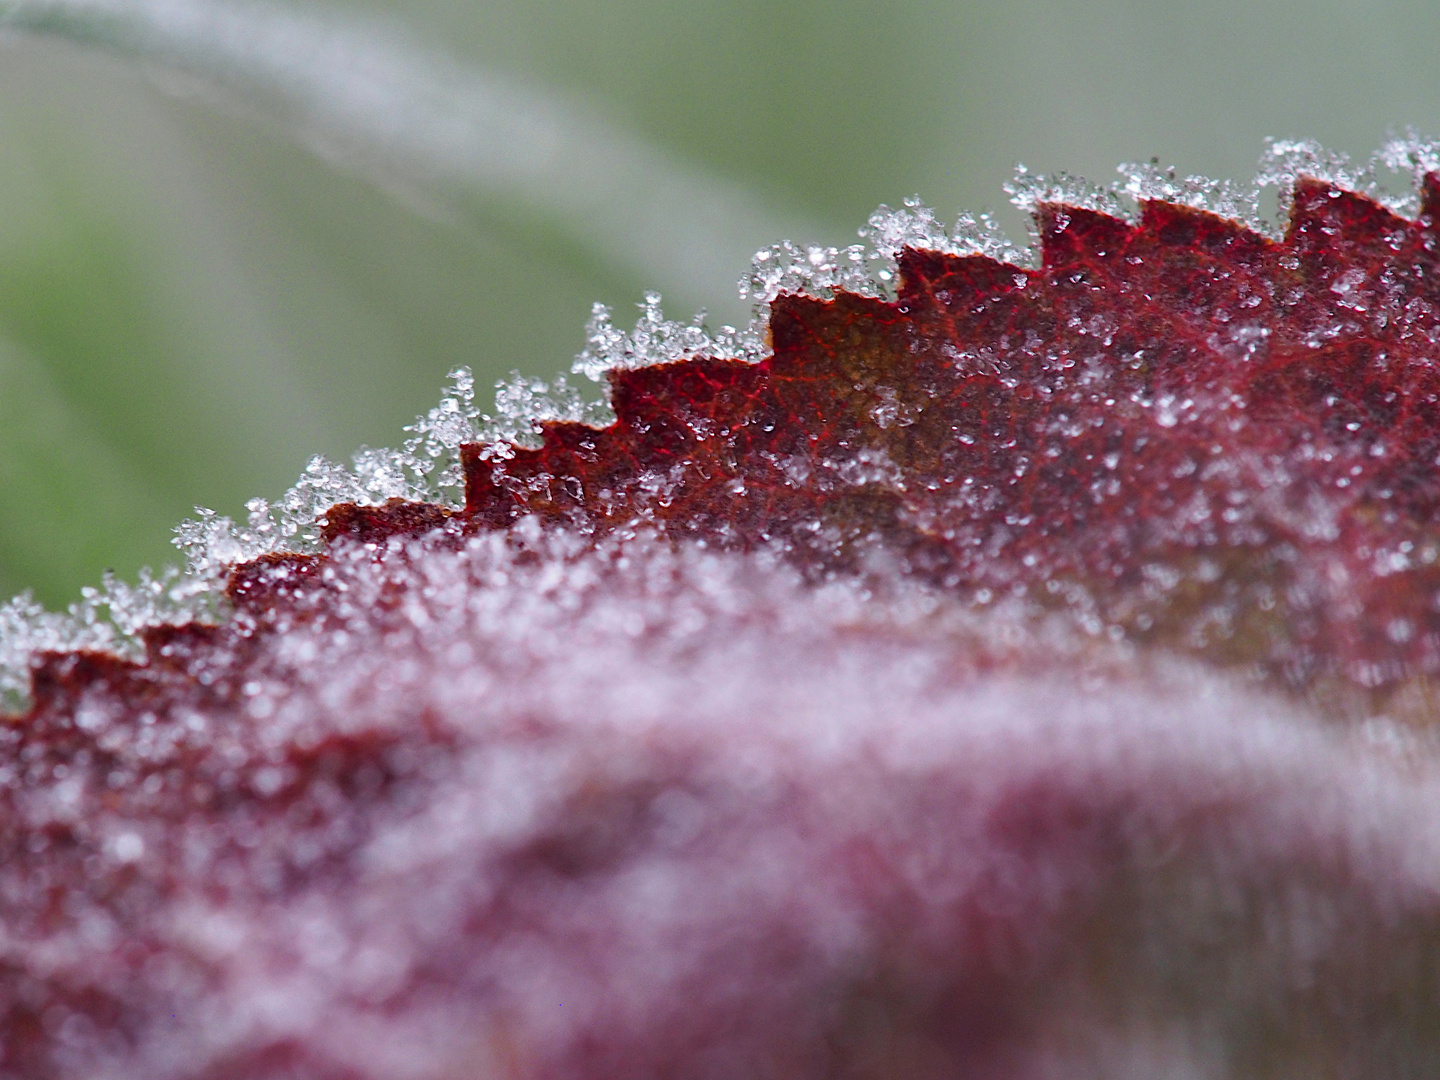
x,y
869,269
812,269
657,340
427,465
523,403
1287,160
915,225
1413,157
1150,181
433,451
106,618
1029,191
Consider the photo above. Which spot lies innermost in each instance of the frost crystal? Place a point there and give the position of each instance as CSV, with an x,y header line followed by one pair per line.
x,y
1287,160
869,269
523,403
1411,155
916,226
815,270
656,340
426,468
25,629
1413,158
1148,180
1030,190
107,618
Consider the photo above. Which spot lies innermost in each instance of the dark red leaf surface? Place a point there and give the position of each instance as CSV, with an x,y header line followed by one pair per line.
x,y
1177,438
1190,434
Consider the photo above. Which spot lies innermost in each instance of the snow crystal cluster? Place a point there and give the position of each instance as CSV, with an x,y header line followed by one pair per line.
x,y
657,340
425,468
869,269
107,618
1148,180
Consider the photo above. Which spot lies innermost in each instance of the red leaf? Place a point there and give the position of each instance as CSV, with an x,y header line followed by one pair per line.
x,y
1198,437
813,719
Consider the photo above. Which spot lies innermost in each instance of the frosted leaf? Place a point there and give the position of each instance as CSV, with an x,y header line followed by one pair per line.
x,y
523,403
1413,158
1029,191
814,270
916,226
611,798
426,467
1287,160
432,454
1150,181
655,340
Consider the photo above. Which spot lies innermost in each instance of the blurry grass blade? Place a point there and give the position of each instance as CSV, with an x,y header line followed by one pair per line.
x,y
353,88
65,497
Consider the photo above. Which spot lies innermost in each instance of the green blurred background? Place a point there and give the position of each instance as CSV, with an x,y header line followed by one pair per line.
x,y
201,285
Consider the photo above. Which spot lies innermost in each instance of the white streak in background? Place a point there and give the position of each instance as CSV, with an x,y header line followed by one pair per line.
x,y
353,86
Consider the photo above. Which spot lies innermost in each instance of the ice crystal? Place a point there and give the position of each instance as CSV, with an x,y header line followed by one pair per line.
x,y
1030,191
432,454
812,269
1412,155
1287,160
915,225
869,269
106,618
1239,202
1414,158
523,403
656,340
26,628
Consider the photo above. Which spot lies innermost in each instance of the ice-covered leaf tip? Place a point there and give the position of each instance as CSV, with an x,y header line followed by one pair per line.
x,y
986,665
